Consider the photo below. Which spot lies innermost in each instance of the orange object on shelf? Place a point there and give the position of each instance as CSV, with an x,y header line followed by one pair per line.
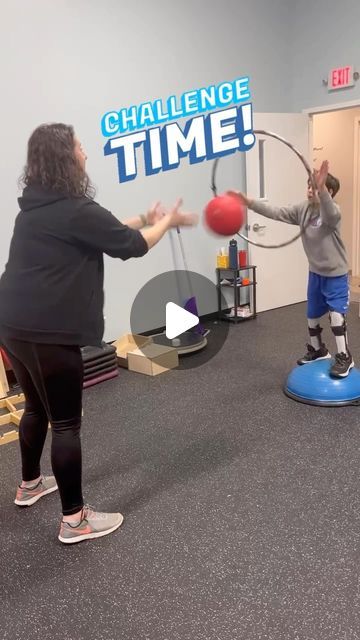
x,y
222,262
245,281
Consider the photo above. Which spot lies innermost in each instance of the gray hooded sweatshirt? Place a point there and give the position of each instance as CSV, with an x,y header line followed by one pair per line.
x,y
321,238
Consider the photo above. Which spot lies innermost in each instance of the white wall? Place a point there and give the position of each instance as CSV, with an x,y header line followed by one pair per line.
x,y
334,132
72,60
324,35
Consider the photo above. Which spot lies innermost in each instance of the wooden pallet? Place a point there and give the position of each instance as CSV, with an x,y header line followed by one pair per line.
x,y
12,417
4,387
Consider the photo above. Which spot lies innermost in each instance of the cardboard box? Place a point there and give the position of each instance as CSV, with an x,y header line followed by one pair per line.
x,y
125,344
153,359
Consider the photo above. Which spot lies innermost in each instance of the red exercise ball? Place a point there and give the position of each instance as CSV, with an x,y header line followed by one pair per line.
x,y
225,215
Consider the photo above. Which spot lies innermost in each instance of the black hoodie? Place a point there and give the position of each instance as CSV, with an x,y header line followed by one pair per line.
x,y
52,287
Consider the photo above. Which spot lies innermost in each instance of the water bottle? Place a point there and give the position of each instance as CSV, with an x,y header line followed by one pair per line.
x,y
233,254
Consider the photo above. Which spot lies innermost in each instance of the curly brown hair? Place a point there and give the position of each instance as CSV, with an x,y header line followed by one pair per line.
x,y
51,162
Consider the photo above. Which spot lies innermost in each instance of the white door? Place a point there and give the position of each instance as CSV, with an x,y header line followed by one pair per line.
x,y
275,173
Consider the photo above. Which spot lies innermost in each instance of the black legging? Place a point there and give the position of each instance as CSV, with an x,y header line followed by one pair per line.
x,y
51,378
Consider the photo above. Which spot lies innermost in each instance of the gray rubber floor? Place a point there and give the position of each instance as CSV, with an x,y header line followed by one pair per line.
x,y
242,507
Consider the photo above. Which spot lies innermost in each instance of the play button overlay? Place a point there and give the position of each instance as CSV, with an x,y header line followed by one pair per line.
x,y
179,309
178,320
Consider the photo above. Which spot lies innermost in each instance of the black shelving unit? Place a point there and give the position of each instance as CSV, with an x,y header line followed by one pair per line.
x,y
221,275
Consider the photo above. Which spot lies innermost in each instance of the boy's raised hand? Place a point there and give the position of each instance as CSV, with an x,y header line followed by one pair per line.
x,y
321,175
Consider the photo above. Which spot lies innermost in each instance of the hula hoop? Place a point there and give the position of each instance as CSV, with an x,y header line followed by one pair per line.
x,y
310,177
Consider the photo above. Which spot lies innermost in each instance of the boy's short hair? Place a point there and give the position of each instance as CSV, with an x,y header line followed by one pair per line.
x,y
332,184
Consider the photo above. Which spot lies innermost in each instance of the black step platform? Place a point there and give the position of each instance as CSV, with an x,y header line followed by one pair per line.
x,y
100,363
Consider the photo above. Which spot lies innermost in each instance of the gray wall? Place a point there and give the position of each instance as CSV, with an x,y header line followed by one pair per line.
x,y
325,34
73,60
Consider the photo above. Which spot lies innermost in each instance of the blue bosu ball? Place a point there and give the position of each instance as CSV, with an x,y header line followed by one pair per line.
x,y
312,384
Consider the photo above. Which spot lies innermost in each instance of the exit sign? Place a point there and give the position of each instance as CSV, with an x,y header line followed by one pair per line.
x,y
340,78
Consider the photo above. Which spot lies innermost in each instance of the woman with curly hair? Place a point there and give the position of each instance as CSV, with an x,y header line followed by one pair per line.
x,y
51,304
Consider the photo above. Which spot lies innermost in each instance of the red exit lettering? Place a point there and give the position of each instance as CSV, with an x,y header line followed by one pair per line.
x,y
341,77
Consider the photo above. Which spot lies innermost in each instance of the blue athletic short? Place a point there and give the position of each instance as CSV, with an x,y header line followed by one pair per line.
x,y
327,294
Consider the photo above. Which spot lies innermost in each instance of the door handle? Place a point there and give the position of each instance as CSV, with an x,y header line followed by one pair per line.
x,y
258,227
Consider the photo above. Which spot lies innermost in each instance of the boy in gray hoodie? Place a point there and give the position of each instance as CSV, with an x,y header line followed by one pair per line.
x,y
328,286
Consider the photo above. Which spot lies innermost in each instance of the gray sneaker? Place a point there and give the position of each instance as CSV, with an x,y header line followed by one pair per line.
x,y
26,496
92,524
